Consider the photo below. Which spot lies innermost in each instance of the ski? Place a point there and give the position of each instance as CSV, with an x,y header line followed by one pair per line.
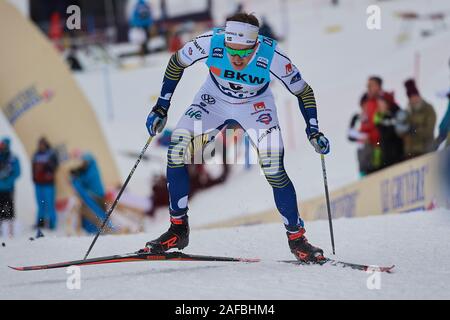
x,y
179,256
342,264
133,257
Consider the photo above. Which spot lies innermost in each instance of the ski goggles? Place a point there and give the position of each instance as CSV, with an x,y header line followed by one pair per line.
x,y
242,53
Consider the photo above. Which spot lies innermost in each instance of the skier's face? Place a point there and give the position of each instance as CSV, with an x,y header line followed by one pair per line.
x,y
239,63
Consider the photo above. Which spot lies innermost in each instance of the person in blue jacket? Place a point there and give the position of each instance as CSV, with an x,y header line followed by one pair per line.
x,y
87,182
9,172
44,167
444,127
142,18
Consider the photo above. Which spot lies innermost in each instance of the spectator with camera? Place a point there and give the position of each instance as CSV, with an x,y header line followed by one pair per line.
x,y
421,121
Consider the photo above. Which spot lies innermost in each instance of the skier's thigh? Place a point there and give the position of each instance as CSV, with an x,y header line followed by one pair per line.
x,y
204,115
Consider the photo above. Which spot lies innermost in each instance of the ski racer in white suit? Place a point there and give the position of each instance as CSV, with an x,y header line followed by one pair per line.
x,y
241,65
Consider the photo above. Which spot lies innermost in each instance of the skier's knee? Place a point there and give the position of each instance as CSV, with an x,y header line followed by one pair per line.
x,y
272,165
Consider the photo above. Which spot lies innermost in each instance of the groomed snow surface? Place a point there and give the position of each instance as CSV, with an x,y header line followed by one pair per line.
x,y
417,243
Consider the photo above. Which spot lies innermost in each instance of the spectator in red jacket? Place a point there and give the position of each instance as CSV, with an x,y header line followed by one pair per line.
x,y
368,126
374,90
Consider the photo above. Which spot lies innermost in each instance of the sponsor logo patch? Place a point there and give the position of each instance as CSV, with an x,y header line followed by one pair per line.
x,y
194,114
265,118
199,48
268,131
262,62
208,99
215,71
186,55
268,41
217,53
259,106
190,51
229,74
296,78
24,101
235,87
288,68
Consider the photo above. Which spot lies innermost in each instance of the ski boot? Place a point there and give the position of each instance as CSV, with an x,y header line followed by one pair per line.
x,y
302,250
176,237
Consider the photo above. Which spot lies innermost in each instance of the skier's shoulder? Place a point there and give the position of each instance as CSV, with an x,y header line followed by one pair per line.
x,y
196,49
280,54
203,41
269,42
206,35
283,67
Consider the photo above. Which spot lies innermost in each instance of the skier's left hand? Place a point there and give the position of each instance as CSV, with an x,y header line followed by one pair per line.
x,y
319,142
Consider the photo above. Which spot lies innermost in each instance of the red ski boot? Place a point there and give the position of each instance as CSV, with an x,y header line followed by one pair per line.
x,y
301,248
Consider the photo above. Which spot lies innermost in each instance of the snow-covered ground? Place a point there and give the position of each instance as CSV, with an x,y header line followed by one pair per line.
x,y
416,243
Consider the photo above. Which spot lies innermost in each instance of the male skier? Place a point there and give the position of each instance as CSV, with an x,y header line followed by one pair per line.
x,y
241,64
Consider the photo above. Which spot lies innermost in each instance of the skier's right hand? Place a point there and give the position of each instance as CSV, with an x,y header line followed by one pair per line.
x,y
156,119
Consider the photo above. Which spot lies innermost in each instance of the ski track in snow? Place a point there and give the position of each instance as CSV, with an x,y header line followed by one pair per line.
x,y
416,243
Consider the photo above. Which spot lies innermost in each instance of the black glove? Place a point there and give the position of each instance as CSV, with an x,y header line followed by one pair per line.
x,y
156,120
319,142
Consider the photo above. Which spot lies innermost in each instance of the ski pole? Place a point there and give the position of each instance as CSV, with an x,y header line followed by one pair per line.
x,y
116,201
327,196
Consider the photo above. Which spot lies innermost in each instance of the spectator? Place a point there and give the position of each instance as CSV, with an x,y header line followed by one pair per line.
x,y
44,166
368,127
419,138
86,180
9,172
199,177
142,19
371,150
355,135
239,8
444,127
391,143
72,59
200,180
